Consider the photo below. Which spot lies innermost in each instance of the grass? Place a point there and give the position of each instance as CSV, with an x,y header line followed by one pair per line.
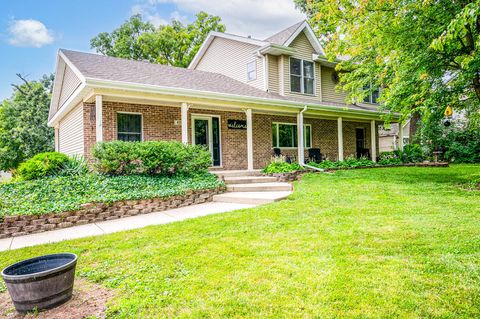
x,y
382,243
65,193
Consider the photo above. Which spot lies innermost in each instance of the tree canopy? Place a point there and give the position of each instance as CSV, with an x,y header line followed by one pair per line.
x,y
173,44
23,122
423,54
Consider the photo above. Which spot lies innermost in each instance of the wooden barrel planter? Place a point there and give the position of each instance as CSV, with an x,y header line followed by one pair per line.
x,y
42,282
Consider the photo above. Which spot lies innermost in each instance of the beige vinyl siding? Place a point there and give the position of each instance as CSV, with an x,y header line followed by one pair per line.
x,y
329,92
70,83
304,51
70,132
273,74
230,58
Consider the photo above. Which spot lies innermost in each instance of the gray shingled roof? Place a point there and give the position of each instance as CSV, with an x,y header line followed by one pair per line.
x,y
116,69
130,71
281,37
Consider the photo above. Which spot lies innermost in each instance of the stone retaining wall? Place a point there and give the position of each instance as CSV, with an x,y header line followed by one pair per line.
x,y
12,226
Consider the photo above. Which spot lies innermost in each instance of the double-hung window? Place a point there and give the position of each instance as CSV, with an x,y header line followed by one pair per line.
x,y
252,71
372,95
302,76
129,127
285,135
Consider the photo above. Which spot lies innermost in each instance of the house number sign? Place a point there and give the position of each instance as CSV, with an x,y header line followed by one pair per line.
x,y
237,124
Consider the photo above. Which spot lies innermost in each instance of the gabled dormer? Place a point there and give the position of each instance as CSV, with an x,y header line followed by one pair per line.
x,y
291,62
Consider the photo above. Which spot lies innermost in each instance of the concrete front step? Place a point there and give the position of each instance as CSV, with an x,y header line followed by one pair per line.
x,y
259,187
237,173
252,198
249,179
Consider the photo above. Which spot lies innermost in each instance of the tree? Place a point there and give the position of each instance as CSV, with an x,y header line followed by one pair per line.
x,y
23,122
423,54
173,44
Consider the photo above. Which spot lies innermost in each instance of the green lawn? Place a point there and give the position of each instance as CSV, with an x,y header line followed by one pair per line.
x,y
378,243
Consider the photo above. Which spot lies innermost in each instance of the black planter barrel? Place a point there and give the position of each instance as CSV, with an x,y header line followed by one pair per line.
x,y
42,282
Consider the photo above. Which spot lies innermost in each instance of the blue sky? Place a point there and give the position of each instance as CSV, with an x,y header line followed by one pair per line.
x,y
31,32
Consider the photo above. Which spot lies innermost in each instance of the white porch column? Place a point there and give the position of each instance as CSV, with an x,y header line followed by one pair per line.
x,y
248,112
400,136
301,145
98,117
184,123
340,138
373,133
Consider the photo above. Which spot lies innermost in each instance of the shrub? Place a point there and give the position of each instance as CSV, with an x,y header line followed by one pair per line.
x,y
389,158
76,166
43,164
350,161
278,164
150,158
462,146
413,153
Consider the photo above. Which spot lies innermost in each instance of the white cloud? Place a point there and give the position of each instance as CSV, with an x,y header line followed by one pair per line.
x,y
147,12
29,33
258,18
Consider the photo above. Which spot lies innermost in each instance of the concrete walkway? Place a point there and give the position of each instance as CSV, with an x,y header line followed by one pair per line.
x,y
111,226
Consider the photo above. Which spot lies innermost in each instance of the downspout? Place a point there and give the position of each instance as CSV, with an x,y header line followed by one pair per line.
x,y
303,162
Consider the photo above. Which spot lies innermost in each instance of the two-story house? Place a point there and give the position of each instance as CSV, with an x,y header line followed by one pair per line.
x,y
240,97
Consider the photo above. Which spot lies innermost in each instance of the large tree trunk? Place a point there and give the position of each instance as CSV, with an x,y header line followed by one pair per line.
x,y
414,121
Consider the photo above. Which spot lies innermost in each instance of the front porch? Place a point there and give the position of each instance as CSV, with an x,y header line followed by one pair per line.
x,y
239,137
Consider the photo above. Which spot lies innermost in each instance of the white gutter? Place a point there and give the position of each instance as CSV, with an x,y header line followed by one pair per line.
x,y
109,84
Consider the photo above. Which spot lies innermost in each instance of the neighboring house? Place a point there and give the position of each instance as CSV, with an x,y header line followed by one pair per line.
x,y
389,138
240,97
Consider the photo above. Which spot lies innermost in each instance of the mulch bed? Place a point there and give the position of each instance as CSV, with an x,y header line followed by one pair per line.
x,y
89,300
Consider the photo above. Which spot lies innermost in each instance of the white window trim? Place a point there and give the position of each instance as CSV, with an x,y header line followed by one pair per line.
x,y
141,124
254,62
293,124
302,89
370,97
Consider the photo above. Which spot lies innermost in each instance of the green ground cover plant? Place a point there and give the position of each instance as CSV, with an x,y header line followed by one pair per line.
x,y
398,242
65,193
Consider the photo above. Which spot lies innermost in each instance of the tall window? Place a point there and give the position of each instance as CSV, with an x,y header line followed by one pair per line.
x,y
285,135
252,71
302,76
372,96
129,127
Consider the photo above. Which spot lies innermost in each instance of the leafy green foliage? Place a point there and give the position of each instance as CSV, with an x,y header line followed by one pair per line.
x,y
413,153
64,193
423,54
349,162
173,44
461,146
151,158
76,166
279,164
23,123
43,164
388,243
390,158
281,167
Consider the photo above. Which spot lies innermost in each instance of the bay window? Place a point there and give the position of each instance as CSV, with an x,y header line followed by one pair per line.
x,y
284,135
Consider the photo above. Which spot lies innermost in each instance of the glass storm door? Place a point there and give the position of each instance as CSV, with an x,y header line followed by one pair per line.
x,y
206,132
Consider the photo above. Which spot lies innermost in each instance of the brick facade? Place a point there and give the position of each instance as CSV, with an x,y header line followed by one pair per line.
x,y
164,123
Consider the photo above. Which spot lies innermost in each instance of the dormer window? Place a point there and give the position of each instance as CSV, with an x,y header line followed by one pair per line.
x,y
252,71
302,76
